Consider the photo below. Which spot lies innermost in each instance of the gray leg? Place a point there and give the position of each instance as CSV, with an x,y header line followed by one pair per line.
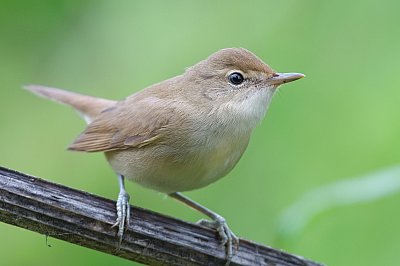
x,y
228,238
123,209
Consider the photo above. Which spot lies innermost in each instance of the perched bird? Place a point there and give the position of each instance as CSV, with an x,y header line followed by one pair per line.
x,y
181,134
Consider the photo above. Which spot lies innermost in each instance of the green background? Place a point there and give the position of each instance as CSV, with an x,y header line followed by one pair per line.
x,y
341,121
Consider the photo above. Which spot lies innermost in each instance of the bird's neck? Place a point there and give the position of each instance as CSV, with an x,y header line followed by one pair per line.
x,y
244,115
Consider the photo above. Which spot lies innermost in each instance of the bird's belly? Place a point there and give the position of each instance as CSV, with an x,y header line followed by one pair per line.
x,y
166,171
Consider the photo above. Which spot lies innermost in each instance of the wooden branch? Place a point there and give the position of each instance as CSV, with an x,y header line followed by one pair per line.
x,y
85,219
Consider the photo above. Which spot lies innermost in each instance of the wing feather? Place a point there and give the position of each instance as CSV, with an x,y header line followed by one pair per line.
x,y
128,124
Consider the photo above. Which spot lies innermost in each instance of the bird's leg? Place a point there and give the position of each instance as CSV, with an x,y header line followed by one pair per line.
x,y
123,209
228,238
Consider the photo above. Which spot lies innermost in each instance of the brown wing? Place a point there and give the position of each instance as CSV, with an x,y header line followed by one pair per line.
x,y
130,123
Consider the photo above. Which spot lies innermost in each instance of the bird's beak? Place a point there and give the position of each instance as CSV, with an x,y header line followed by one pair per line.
x,y
281,78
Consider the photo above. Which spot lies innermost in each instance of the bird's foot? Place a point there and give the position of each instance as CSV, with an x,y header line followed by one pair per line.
x,y
228,238
123,214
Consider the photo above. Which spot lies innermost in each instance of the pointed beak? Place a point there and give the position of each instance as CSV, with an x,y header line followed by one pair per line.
x,y
281,78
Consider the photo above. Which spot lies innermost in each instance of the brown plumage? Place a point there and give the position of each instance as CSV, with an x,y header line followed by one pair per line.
x,y
180,134
87,105
138,120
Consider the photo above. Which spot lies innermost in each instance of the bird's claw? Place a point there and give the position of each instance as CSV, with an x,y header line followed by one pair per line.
x,y
228,238
123,214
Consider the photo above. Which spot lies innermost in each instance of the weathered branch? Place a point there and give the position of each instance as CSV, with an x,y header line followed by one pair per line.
x,y
85,219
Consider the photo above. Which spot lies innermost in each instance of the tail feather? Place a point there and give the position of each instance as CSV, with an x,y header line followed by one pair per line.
x,y
88,106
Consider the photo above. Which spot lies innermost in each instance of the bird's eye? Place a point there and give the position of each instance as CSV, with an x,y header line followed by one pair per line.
x,y
236,78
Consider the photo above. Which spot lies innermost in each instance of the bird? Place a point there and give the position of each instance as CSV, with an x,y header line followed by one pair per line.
x,y
180,134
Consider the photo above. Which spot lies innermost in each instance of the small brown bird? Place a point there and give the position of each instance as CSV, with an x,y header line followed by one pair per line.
x,y
180,134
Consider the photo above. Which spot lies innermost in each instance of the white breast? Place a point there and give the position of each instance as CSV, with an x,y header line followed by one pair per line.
x,y
219,146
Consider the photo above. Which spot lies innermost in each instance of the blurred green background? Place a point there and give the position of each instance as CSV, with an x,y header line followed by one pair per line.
x,y
341,121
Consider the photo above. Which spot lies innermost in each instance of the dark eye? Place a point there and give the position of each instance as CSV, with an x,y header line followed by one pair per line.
x,y
236,78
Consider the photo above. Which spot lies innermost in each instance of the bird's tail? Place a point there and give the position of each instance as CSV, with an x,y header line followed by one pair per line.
x,y
88,106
